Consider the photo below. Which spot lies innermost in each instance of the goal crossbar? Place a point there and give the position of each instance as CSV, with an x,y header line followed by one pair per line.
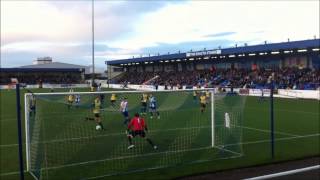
x,y
118,92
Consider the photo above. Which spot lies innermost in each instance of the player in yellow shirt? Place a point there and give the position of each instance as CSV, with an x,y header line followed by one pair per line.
x,y
96,109
195,94
96,112
207,94
203,102
92,88
144,101
70,100
113,99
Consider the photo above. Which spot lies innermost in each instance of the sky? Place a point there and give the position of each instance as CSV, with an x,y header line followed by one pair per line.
x,y
123,29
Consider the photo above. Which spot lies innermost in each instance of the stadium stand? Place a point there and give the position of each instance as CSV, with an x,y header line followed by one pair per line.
x,y
295,65
287,78
44,75
43,70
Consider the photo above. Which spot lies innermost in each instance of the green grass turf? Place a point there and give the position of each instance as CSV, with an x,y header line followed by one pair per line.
x,y
294,120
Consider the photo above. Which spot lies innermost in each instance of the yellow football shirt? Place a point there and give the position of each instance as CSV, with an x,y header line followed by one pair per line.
x,y
97,104
144,98
113,97
203,99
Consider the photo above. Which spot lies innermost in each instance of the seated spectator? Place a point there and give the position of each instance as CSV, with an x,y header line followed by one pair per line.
x,y
293,78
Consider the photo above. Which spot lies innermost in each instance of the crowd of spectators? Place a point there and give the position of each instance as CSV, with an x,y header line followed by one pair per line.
x,y
36,78
285,78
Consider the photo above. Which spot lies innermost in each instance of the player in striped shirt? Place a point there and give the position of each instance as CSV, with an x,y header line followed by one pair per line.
x,y
153,107
138,126
124,110
77,100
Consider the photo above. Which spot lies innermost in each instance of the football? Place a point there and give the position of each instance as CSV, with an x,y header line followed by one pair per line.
x,y
98,127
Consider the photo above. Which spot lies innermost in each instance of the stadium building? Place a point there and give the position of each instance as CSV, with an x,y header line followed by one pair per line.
x,y
302,54
44,70
296,54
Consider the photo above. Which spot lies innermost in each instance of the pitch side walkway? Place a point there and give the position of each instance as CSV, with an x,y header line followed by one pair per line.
x,y
258,171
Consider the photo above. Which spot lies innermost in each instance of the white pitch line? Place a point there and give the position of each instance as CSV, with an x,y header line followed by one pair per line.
x,y
154,168
115,134
244,143
58,114
268,131
123,157
284,173
126,157
11,173
105,135
286,110
277,139
220,148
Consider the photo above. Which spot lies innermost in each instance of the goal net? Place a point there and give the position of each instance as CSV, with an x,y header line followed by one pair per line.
x,y
72,136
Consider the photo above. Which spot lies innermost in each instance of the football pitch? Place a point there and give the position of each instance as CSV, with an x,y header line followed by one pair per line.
x,y
76,150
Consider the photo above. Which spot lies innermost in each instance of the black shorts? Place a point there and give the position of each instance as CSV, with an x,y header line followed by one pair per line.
x,y
33,108
141,133
144,104
96,115
152,109
203,105
112,101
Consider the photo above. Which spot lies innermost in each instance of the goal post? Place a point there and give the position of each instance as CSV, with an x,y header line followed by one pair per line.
x,y
212,118
27,137
62,135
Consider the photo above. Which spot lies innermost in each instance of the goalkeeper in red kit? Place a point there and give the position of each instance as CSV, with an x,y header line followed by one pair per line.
x,y
137,126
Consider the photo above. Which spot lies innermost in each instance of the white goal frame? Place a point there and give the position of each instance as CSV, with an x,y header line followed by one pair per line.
x,y
27,128
27,97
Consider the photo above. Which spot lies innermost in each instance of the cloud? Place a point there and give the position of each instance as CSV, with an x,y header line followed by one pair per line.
x,y
164,48
77,53
40,21
62,29
220,34
192,21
